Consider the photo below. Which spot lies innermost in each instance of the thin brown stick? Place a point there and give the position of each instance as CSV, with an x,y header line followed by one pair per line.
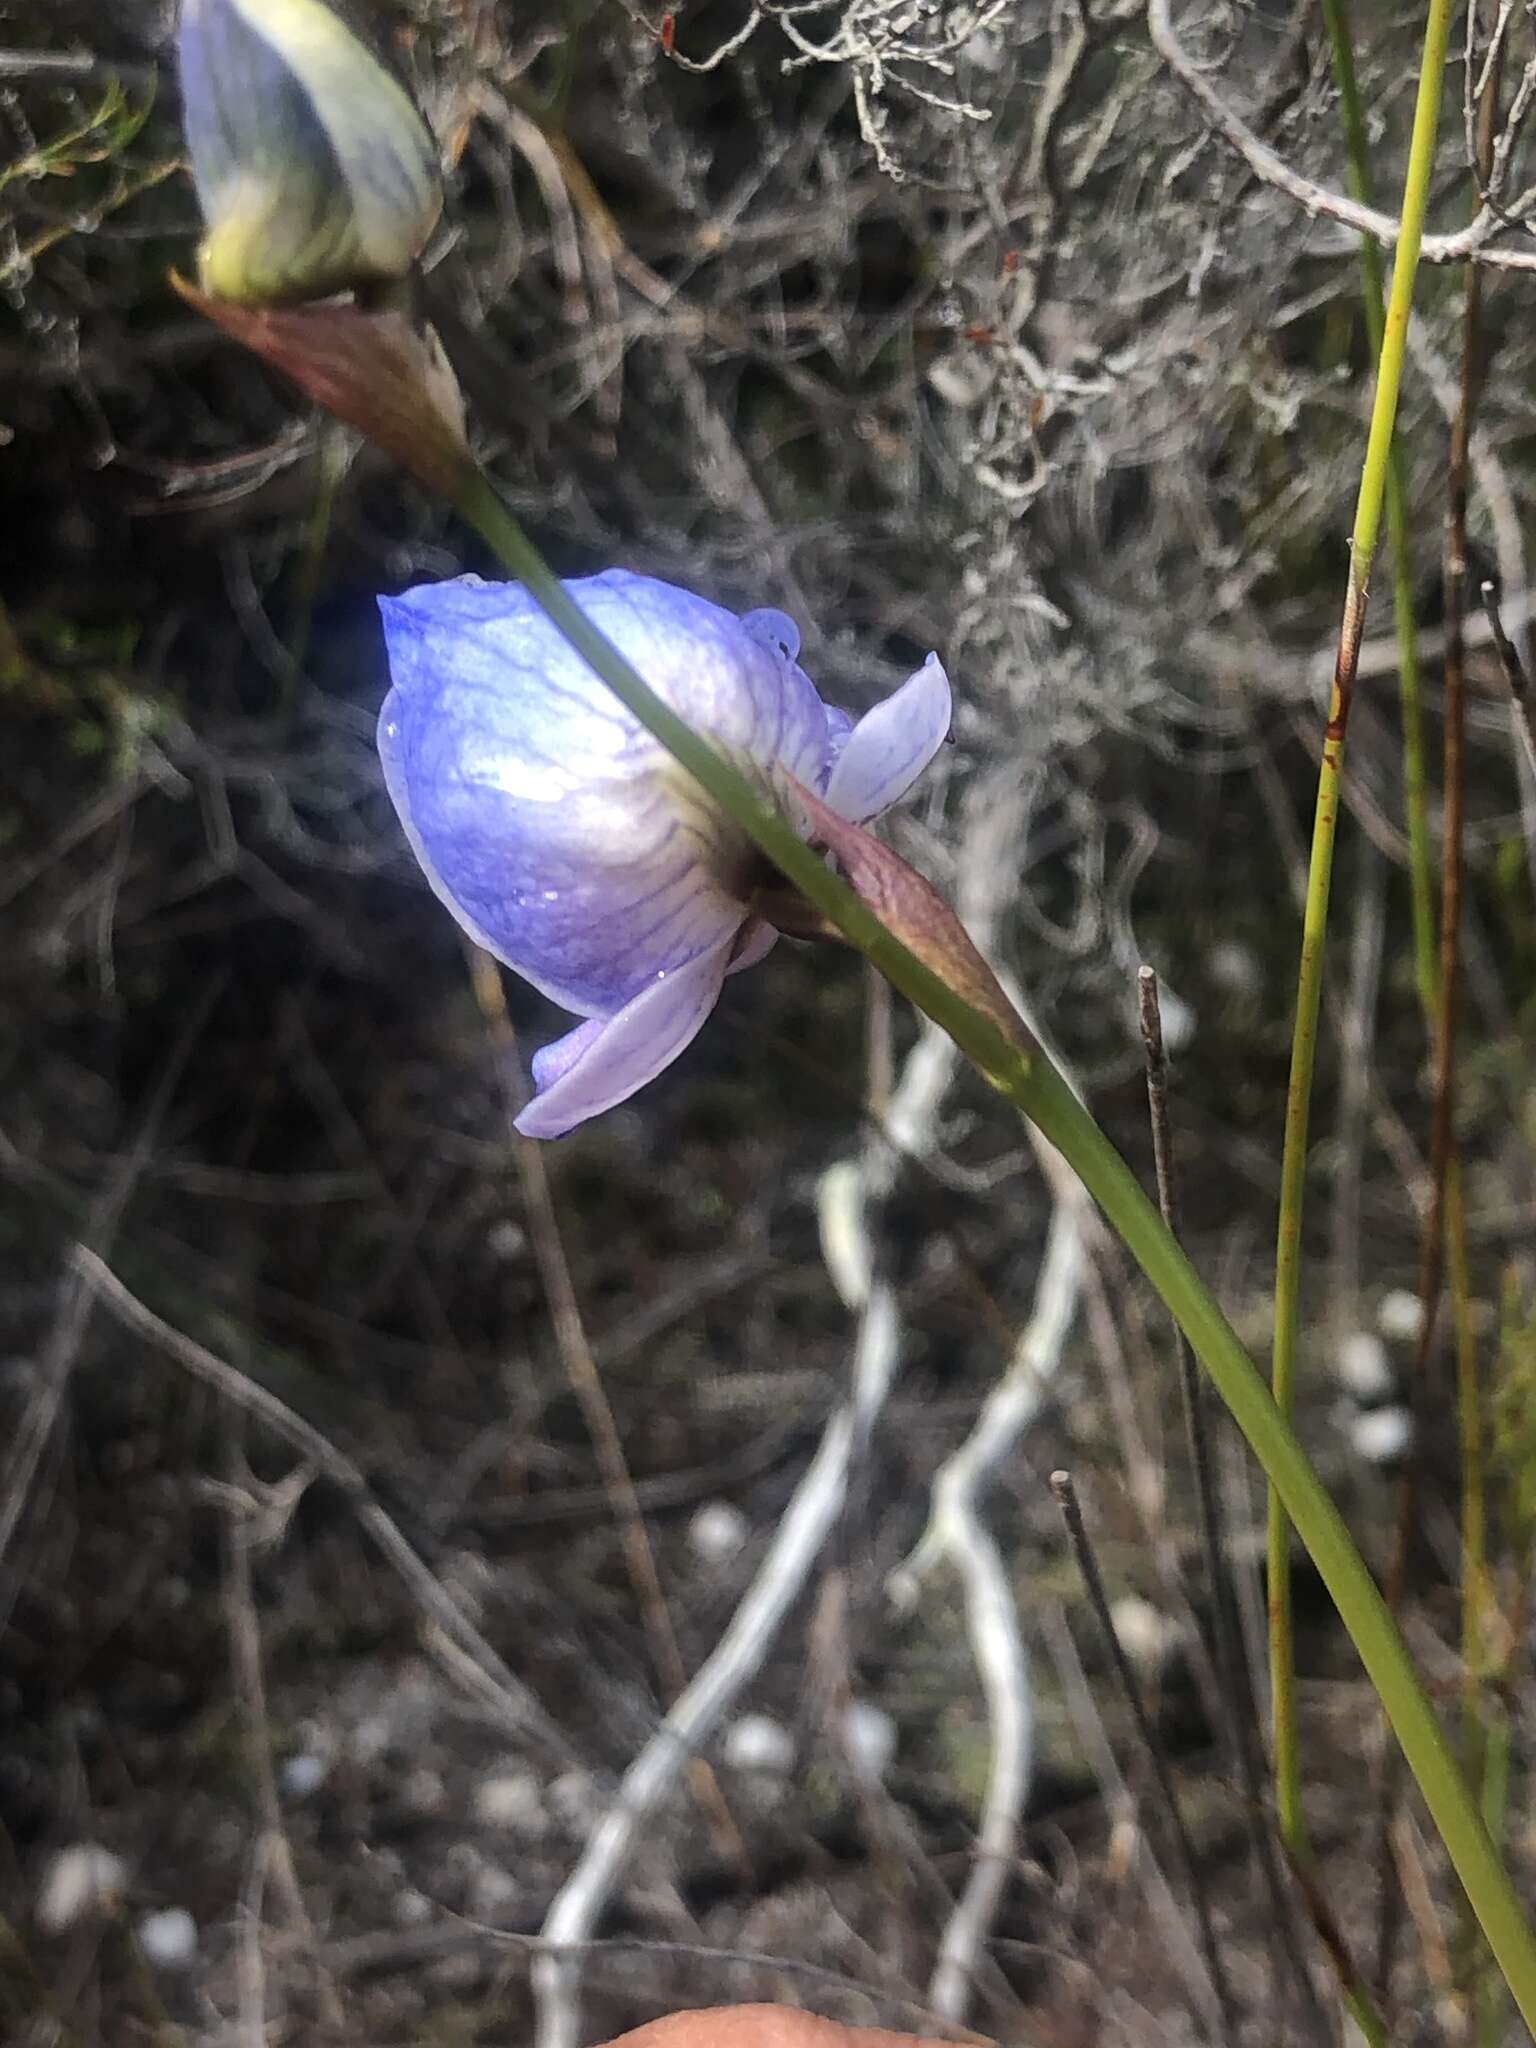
x,y
1452,854
1088,1566
1512,666
241,1530
1120,1815
1239,1719
586,1382
1191,1390
515,1703
1408,1855
72,1317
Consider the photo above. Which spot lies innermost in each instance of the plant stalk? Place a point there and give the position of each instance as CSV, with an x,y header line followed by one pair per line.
x,y
1373,295
1367,527
1049,1103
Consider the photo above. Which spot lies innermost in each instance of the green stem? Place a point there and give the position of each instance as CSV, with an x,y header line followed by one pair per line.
x,y
1489,2007
1425,943
1400,554
1373,293
332,458
1047,1100
1293,1165
1029,1081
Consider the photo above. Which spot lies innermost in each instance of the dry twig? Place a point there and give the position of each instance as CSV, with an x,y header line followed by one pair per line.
x,y
1471,244
1072,1515
500,1688
736,1658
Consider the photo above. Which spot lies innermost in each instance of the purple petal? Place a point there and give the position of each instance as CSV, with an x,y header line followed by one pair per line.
x,y
392,756
553,1061
775,630
839,727
891,746
550,823
617,1055
588,933
756,941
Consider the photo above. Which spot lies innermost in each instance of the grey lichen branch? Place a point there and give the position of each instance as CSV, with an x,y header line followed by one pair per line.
x,y
734,1662
1467,245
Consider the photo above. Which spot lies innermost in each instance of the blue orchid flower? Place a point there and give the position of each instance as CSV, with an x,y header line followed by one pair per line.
x,y
568,843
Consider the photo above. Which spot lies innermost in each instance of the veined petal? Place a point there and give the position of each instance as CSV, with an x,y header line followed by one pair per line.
x,y
392,758
603,1062
839,726
583,930
739,687
559,833
891,745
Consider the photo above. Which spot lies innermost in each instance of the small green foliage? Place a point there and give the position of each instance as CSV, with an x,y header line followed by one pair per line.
x,y
92,152
79,676
95,138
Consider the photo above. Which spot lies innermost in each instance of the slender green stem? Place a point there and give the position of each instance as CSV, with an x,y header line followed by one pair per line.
x,y
332,458
1490,1996
1373,293
1293,1166
1426,944
1477,1603
1410,693
1045,1097
1282,1658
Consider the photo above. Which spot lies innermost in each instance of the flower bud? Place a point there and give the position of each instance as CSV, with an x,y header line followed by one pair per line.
x,y
315,171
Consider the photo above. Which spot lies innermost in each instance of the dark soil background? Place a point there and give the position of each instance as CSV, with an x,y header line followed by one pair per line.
x,y
1046,381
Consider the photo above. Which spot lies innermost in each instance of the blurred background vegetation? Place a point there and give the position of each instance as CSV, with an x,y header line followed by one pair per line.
x,y
939,326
